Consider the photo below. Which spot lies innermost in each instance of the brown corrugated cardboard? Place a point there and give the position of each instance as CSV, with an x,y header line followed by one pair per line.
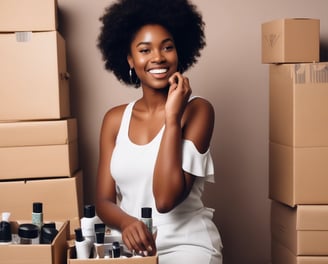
x,y
32,15
54,253
302,229
38,133
33,80
62,198
298,104
71,259
282,255
42,149
291,40
298,175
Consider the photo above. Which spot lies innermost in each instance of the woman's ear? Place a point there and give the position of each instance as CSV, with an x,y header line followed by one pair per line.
x,y
130,61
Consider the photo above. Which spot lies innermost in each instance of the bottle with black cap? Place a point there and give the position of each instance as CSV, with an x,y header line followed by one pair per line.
x,y
5,229
116,249
82,245
88,222
37,214
146,217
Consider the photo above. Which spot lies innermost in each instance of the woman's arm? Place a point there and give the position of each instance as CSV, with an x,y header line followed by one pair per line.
x,y
193,121
134,232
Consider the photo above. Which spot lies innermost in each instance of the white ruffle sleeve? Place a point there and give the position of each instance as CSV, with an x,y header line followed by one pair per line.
x,y
196,163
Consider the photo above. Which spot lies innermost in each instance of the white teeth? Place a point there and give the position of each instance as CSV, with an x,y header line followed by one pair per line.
x,y
157,71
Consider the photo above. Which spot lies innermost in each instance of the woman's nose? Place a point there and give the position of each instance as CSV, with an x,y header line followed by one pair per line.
x,y
158,56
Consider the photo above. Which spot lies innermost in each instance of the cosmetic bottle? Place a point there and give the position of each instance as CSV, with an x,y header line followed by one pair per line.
x,y
88,222
28,234
82,245
146,217
99,246
37,215
5,229
116,249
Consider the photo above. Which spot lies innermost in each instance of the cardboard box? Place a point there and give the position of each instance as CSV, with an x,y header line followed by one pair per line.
x,y
291,40
282,255
298,175
34,78
302,229
71,259
43,149
62,198
38,133
298,104
31,15
54,253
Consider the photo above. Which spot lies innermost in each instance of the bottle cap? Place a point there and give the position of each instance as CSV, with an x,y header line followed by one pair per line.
x,y
89,211
5,232
78,235
146,212
100,227
28,231
37,207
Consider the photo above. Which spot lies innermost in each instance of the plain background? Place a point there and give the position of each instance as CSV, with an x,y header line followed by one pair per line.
x,y
231,76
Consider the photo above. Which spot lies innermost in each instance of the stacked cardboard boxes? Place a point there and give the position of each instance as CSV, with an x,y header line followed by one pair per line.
x,y
298,158
38,136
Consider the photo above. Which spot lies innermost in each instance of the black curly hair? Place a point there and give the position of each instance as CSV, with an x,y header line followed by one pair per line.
x,y
124,18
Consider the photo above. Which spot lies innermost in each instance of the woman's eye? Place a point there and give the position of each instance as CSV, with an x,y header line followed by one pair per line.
x,y
144,51
169,48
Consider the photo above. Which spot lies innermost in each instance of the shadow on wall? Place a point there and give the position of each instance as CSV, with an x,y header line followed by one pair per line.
x,y
324,51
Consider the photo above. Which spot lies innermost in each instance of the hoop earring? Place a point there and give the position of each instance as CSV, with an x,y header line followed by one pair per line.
x,y
135,82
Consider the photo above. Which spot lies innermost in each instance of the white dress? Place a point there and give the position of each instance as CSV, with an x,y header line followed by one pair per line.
x,y
186,234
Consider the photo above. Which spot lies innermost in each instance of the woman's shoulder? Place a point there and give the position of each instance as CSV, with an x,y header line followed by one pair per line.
x,y
200,106
113,116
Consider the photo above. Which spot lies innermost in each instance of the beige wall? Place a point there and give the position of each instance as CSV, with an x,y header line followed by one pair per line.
x,y
231,75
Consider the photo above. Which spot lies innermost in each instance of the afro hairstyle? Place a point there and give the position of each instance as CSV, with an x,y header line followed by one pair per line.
x,y
122,19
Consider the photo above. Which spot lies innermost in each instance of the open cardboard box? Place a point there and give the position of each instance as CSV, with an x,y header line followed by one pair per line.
x,y
54,253
71,259
62,198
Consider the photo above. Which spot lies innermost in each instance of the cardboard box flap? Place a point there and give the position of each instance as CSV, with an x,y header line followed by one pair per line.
x,y
38,133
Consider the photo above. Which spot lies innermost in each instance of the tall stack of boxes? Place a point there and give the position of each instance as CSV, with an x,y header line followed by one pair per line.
x,y
38,136
298,158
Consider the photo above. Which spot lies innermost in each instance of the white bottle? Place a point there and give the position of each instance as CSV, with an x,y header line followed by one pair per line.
x,y
88,222
82,245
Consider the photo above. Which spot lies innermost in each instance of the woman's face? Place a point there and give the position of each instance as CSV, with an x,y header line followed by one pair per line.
x,y
153,56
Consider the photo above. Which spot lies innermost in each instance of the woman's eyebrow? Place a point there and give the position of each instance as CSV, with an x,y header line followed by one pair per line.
x,y
148,42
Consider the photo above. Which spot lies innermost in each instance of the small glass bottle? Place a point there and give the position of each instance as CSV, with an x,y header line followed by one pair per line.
x,y
37,215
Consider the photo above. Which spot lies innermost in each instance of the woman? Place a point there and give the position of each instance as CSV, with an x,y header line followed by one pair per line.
x,y
154,151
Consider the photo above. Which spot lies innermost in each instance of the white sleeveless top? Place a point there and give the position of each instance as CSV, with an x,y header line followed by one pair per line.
x,y
132,168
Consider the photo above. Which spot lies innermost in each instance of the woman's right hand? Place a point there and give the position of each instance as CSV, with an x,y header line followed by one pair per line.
x,y
137,238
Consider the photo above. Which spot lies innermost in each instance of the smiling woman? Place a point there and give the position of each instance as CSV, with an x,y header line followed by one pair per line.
x,y
155,151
